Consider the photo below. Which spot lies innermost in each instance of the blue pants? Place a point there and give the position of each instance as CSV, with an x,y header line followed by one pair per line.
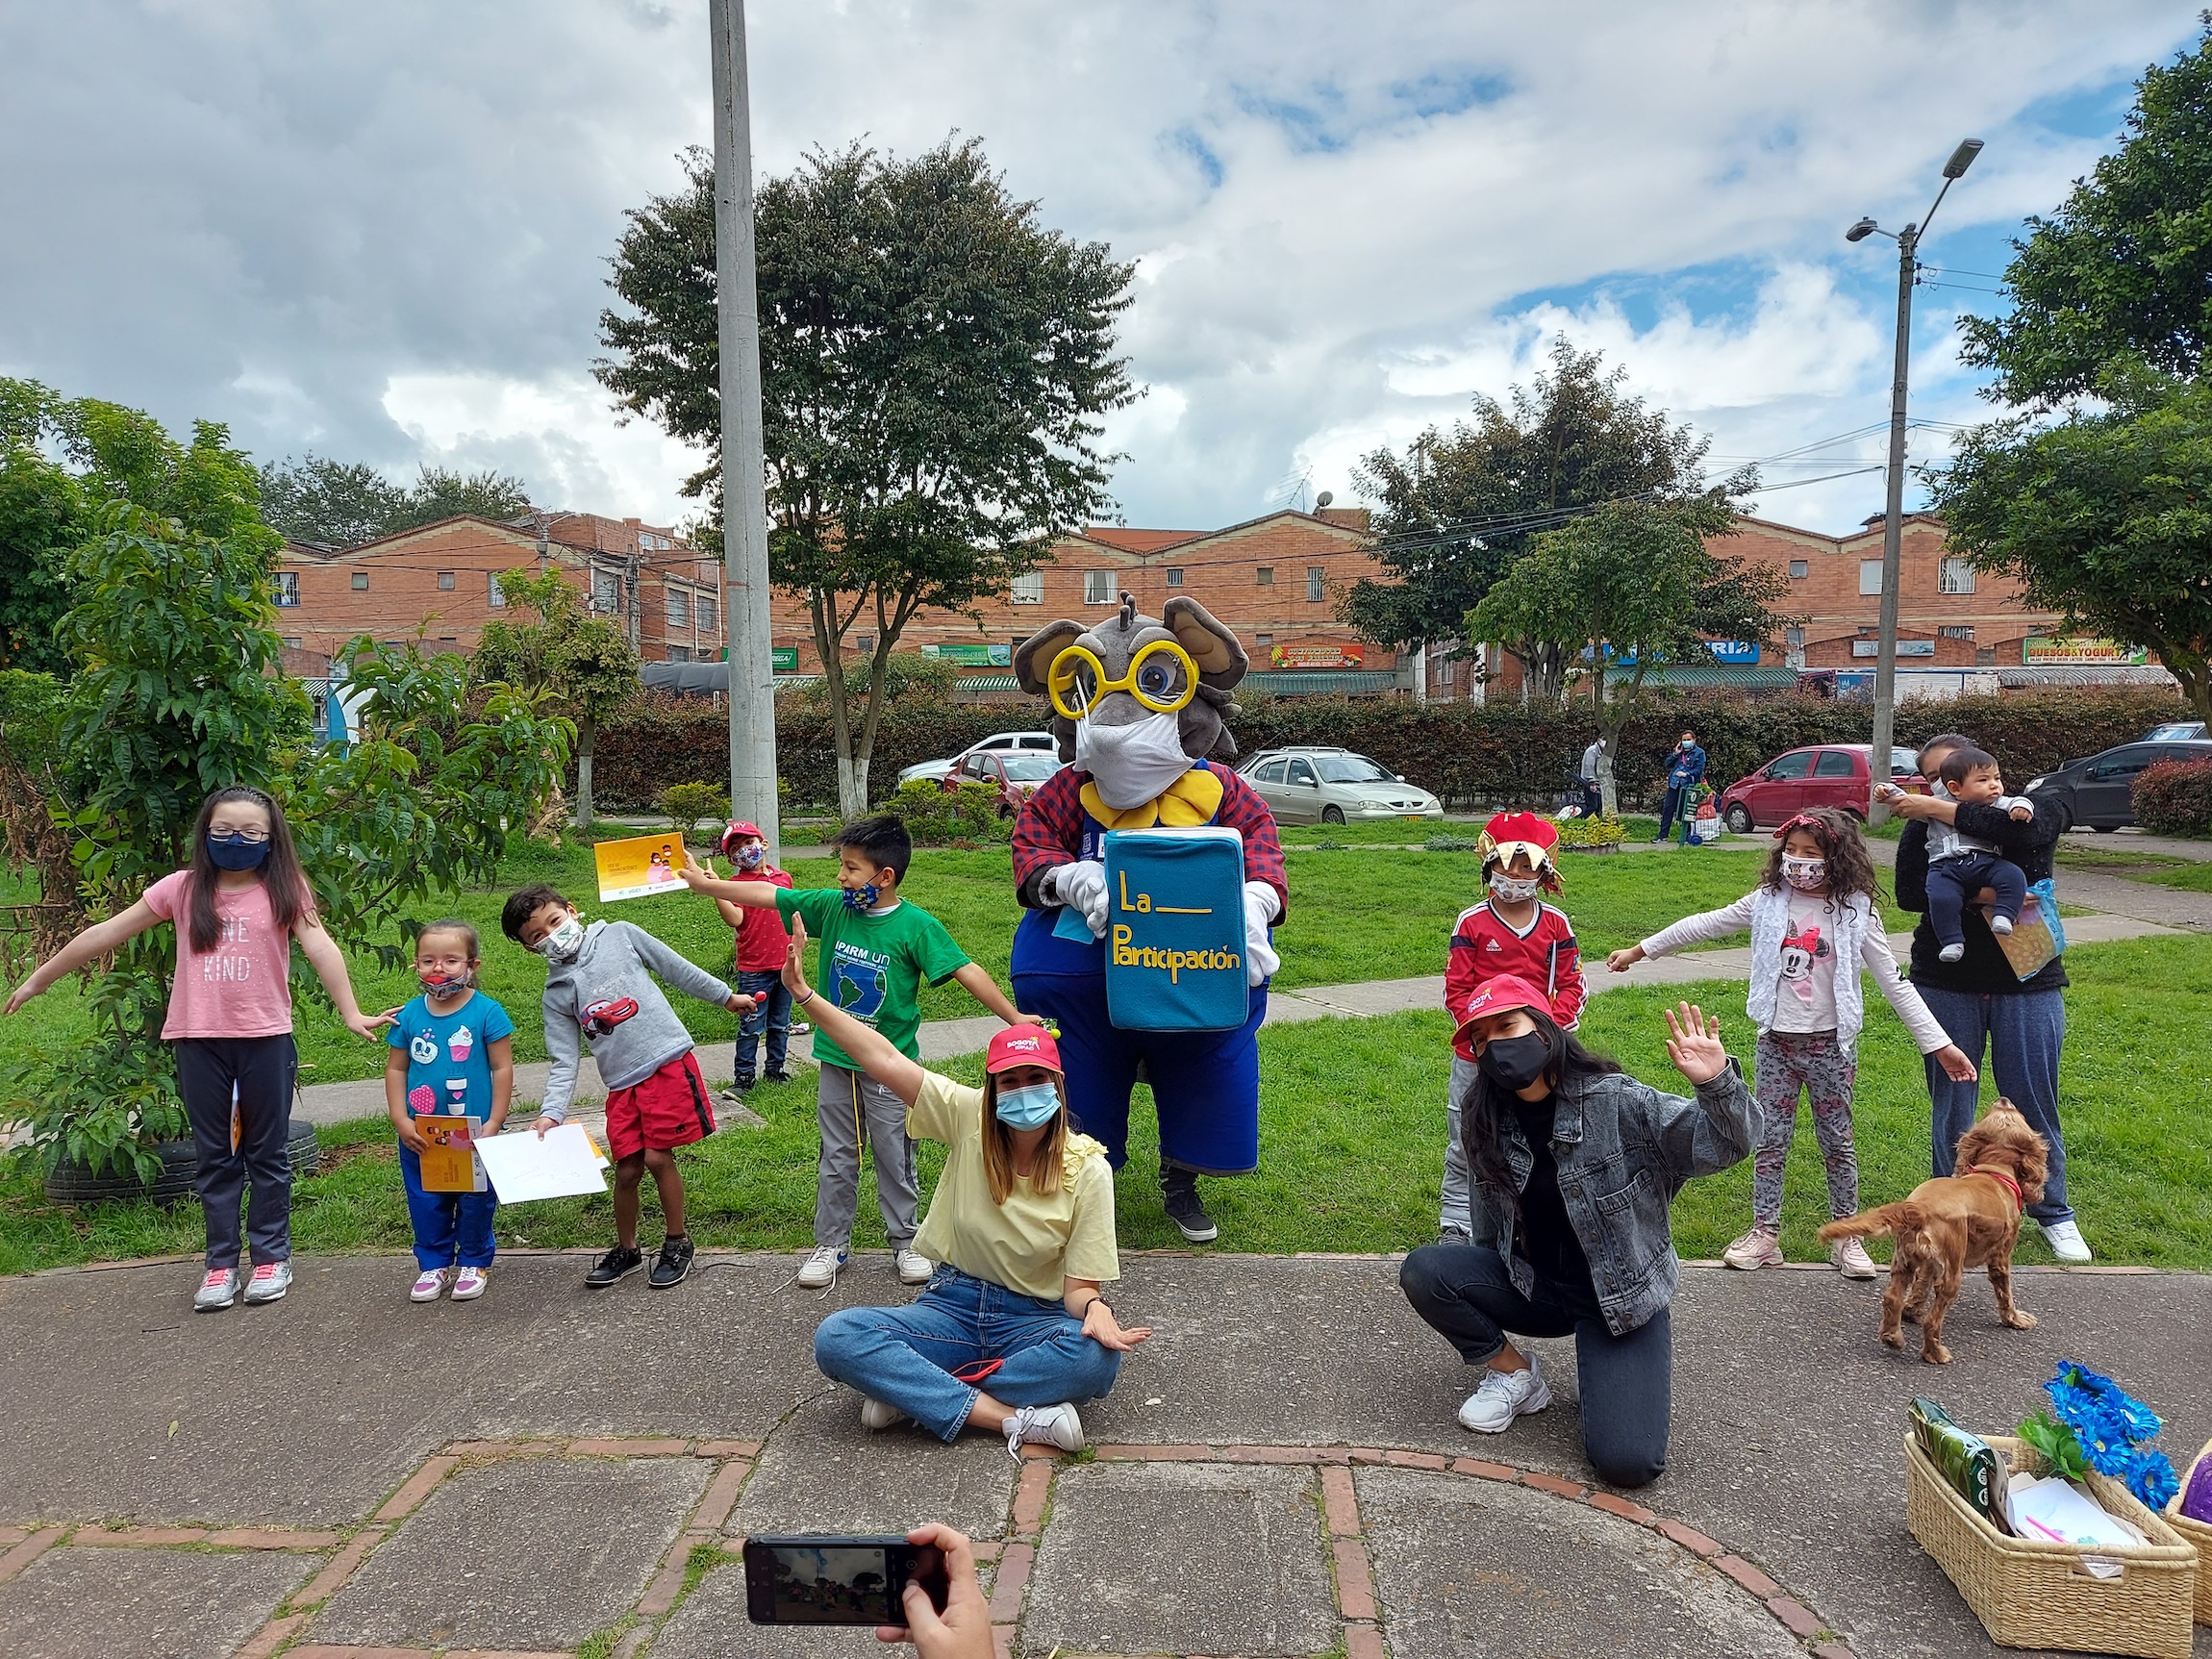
x,y
1205,1084
2025,1032
451,1229
905,1357
1952,883
772,1013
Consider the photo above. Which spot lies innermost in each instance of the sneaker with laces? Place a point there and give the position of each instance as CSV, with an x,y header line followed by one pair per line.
x,y
2066,1242
268,1283
1851,1260
1043,1426
469,1284
913,1269
821,1268
428,1285
775,1077
217,1292
874,1414
618,1263
1503,1397
1756,1249
673,1264
1179,1198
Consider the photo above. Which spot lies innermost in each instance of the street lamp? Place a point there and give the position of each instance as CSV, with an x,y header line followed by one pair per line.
x,y
1886,663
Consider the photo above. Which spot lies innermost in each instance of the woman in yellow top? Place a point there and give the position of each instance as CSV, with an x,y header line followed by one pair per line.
x,y
1021,1228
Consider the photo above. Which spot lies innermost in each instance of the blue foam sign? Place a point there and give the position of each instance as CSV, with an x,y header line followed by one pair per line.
x,y
1175,929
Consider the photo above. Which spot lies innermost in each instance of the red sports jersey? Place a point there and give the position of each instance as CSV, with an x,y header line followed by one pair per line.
x,y
1483,947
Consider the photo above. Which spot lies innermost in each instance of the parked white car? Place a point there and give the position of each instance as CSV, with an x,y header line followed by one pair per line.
x,y
1304,786
998,743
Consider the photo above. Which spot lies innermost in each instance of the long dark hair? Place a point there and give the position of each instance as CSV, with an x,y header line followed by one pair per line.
x,y
1850,867
289,897
1482,1124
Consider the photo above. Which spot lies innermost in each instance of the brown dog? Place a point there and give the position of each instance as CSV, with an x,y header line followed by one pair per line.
x,y
1970,1219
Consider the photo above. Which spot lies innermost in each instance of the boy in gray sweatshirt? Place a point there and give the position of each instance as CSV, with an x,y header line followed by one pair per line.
x,y
598,991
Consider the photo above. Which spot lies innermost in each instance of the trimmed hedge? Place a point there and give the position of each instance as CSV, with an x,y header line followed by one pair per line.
x,y
1468,753
2175,798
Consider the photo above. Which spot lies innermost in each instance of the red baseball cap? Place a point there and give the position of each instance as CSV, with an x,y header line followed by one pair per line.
x,y
1022,1046
739,831
1508,991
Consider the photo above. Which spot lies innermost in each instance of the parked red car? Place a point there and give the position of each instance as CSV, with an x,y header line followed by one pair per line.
x,y
1826,775
1016,776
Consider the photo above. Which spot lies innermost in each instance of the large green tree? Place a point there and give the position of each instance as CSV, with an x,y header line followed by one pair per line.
x,y
342,504
1461,508
1627,588
580,667
2123,271
2106,517
934,363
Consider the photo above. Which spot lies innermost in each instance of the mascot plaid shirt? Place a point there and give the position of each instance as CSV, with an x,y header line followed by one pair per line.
x,y
1051,832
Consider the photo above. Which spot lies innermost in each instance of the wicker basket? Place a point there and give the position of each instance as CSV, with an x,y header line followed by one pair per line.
x,y
2031,1593
2196,1533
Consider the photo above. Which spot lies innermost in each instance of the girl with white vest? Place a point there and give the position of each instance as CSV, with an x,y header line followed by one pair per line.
x,y
1815,908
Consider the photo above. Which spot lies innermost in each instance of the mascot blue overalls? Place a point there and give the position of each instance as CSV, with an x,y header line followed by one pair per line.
x,y
1138,706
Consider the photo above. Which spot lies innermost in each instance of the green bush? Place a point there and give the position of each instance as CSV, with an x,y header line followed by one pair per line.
x,y
1587,834
685,804
2175,798
938,817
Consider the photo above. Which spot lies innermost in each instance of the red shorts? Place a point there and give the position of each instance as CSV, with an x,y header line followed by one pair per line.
x,y
667,1109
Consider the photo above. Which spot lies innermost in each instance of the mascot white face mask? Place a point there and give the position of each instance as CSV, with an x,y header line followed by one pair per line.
x,y
1131,763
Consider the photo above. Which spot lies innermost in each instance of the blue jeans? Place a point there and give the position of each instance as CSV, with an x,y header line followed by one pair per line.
x,y
771,1013
451,1229
2024,1033
905,1357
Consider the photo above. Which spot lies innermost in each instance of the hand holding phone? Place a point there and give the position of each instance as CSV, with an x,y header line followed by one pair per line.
x,y
848,1579
960,1628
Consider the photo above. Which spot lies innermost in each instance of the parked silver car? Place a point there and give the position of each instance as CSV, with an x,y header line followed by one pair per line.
x,y
1304,786
998,743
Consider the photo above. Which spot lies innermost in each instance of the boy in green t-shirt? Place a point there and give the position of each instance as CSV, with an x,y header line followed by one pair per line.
x,y
876,949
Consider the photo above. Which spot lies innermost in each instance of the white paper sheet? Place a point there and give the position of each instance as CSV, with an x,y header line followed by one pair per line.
x,y
525,1168
2058,1512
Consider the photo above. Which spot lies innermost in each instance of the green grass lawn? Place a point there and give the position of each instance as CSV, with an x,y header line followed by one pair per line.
x,y
1353,1143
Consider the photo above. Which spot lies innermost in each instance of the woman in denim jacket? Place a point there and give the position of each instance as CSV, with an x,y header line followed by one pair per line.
x,y
1574,1164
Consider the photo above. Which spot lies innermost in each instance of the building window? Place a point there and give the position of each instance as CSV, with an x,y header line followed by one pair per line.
x,y
864,644
1266,576
292,641
1954,576
1316,582
707,618
1800,567
606,592
445,581
679,607
1029,588
498,594
679,653
1794,639
1263,640
1174,576
361,581
287,588
1955,631
1870,575
1097,586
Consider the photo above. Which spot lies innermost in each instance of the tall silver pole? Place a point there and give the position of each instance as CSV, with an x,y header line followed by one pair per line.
x,y
744,492
1885,665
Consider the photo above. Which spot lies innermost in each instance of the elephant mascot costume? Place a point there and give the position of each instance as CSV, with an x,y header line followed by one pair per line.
x,y
1138,706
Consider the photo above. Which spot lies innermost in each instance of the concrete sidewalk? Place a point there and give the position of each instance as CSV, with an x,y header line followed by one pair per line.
x,y
1277,1472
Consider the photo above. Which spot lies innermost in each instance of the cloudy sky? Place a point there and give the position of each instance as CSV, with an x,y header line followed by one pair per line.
x,y
380,232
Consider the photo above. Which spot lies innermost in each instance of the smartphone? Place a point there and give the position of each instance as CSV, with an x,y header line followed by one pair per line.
x,y
837,1578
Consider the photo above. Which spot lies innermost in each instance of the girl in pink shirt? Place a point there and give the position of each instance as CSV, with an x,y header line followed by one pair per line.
x,y
236,910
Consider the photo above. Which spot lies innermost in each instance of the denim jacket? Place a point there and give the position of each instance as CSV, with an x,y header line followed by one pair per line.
x,y
1623,1150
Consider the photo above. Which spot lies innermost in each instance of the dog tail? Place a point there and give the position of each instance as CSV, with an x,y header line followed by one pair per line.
x,y
1894,1219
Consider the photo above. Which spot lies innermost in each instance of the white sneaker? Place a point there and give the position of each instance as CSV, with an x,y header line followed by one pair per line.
x,y
874,1414
1756,1249
268,1283
821,1268
2066,1242
1503,1397
913,1269
429,1286
1043,1426
469,1284
2000,926
217,1292
1950,953
1852,1259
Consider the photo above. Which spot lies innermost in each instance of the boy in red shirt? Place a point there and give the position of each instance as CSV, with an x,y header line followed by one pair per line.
x,y
1512,931
761,946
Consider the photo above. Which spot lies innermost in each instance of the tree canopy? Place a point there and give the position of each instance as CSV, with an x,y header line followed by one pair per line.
x,y
342,504
934,363
574,664
2123,271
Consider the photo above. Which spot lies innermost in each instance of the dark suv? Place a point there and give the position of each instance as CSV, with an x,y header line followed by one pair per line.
x,y
2094,793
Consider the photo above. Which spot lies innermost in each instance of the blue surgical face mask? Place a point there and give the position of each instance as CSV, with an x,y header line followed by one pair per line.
x,y
1029,1107
861,898
235,852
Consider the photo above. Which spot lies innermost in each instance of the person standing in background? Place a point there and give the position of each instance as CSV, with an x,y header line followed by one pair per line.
x,y
1592,796
1685,772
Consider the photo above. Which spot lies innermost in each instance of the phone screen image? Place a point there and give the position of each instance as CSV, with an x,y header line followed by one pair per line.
x,y
835,1579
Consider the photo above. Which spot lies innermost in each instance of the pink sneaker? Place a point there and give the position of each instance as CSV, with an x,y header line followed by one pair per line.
x,y
1756,1249
469,1284
429,1286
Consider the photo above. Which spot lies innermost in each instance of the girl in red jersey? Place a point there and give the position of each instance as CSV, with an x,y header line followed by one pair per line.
x,y
1512,931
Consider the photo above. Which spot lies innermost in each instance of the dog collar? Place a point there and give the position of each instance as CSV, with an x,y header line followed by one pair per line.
x,y
2003,1180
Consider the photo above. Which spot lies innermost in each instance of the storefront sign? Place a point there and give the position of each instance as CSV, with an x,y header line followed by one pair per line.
x,y
1737,652
975,655
1316,656
785,659
2059,650
1905,647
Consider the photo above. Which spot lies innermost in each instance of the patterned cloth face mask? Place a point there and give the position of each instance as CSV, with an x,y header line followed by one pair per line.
x,y
1515,888
749,857
447,983
1805,874
861,898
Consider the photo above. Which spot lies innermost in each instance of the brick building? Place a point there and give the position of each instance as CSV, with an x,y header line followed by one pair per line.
x,y
440,580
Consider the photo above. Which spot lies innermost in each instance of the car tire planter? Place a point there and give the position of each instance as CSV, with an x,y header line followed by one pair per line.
x,y
73,1183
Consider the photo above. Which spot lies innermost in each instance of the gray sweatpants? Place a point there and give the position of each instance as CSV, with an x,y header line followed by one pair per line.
x,y
845,1101
1453,1215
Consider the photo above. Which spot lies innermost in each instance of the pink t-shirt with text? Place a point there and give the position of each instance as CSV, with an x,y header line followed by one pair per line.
x,y
242,987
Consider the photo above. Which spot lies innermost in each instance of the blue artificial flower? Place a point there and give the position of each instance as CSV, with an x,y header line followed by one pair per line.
x,y
2151,1477
2110,1424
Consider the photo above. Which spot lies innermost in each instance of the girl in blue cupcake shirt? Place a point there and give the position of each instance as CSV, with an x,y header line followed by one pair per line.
x,y
452,1056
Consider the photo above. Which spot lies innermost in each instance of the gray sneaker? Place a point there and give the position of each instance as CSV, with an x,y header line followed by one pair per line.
x,y
217,1291
268,1283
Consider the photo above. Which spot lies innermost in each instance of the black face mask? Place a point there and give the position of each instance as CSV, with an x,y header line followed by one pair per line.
x,y
1514,1063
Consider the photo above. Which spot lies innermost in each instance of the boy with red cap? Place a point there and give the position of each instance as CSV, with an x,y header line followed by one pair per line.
x,y
1514,932
761,943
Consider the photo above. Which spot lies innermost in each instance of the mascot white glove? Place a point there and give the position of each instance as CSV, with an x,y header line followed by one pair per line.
x,y
1083,885
1260,907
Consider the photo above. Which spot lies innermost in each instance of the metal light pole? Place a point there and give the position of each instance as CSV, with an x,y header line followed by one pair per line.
x,y
751,662
1908,242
